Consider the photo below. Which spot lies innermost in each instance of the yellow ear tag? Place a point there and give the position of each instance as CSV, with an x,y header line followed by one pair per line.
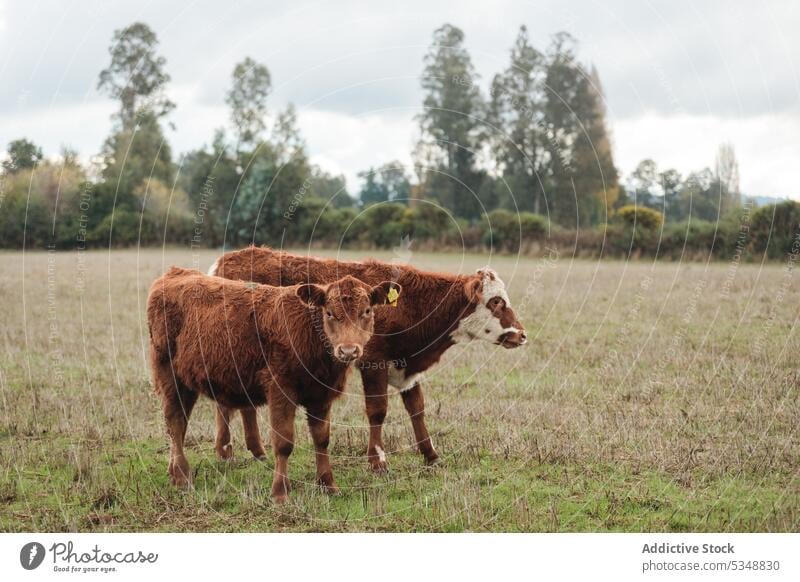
x,y
392,296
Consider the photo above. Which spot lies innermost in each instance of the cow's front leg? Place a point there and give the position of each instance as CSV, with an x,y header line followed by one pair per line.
x,y
281,413
223,445
319,423
414,402
252,436
376,384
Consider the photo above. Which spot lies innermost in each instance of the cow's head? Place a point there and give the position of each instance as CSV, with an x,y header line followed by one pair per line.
x,y
493,319
348,318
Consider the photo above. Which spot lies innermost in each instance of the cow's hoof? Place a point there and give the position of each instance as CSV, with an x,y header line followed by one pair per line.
x,y
379,467
225,453
327,484
261,458
259,454
331,489
179,475
280,499
180,481
432,459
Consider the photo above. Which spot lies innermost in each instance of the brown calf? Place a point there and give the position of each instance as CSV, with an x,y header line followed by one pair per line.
x,y
436,311
244,345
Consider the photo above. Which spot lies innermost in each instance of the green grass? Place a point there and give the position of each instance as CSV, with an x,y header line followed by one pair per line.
x,y
650,399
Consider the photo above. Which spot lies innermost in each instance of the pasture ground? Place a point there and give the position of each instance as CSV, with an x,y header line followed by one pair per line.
x,y
651,397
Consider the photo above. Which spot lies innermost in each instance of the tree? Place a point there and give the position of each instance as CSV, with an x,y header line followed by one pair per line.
x,y
596,177
670,181
165,214
271,196
136,150
696,198
560,124
69,156
516,112
387,183
450,123
643,183
23,154
330,188
136,75
727,174
209,177
247,99
135,154
581,176
286,137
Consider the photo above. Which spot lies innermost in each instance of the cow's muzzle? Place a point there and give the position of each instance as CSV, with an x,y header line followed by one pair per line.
x,y
348,352
513,339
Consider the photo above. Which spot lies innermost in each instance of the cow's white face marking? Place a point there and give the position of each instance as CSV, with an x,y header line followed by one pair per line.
x,y
482,323
399,380
381,454
212,271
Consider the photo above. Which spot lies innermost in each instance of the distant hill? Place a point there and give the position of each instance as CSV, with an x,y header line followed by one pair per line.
x,y
764,200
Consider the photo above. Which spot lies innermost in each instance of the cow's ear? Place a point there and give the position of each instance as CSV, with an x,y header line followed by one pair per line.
x,y
473,289
487,273
386,292
311,294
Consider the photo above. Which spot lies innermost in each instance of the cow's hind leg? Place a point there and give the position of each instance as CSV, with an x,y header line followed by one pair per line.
x,y
281,414
319,423
252,436
223,444
414,402
376,384
178,402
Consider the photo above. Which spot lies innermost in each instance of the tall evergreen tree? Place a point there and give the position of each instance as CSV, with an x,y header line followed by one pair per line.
x,y
516,112
581,176
451,123
595,175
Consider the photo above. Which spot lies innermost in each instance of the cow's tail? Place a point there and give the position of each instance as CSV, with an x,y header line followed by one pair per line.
x,y
164,323
212,271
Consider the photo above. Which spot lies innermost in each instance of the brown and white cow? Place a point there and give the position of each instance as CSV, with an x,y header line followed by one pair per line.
x,y
435,312
245,345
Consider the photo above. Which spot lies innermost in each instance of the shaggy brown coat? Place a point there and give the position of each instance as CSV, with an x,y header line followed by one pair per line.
x,y
434,312
244,345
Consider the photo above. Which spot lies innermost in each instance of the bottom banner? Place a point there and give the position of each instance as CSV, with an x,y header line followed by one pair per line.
x,y
397,556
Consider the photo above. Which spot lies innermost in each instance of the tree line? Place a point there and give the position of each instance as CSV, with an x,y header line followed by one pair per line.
x,y
525,164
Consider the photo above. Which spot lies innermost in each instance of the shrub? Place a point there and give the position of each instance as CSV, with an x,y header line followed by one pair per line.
x,y
429,222
647,218
165,215
379,225
122,226
774,229
533,226
505,230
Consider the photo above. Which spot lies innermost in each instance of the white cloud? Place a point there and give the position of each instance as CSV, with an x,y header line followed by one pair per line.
x,y
83,126
767,147
675,91
347,144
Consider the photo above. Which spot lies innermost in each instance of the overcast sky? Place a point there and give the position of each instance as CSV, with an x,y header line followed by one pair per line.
x,y
680,77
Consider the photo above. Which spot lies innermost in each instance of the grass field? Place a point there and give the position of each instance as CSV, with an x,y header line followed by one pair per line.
x,y
650,398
